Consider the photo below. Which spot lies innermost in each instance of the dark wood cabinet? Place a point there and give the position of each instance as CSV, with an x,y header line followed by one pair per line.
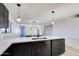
x,y
37,48
47,48
4,16
41,48
28,49
21,49
58,47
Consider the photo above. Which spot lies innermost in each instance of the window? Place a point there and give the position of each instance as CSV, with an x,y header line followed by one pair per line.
x,y
2,30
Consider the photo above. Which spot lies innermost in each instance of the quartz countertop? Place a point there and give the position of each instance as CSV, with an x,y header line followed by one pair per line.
x,y
7,42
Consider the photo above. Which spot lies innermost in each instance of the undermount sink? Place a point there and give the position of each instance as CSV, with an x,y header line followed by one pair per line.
x,y
39,38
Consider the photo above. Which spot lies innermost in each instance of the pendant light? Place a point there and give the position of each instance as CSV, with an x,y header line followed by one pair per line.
x,y
53,18
18,18
53,22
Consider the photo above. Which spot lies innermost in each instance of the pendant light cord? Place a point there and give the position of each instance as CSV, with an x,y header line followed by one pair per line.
x,y
53,15
18,10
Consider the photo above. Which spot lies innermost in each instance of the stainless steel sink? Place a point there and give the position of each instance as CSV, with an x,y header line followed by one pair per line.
x,y
39,38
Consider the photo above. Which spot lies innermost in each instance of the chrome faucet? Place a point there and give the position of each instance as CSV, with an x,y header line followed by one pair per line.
x,y
38,34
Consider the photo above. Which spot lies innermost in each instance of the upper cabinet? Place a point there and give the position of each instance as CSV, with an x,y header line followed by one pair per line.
x,y
4,16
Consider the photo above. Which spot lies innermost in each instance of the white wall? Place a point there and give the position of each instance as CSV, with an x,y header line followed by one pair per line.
x,y
69,28
48,30
14,26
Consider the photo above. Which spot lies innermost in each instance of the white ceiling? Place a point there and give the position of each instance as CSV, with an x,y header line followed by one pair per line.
x,y
42,11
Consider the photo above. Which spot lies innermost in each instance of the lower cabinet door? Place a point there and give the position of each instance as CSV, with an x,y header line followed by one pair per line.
x,y
47,48
41,48
21,49
55,48
37,49
58,47
62,46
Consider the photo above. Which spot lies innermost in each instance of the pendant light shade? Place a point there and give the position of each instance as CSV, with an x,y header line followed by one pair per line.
x,y
53,22
18,18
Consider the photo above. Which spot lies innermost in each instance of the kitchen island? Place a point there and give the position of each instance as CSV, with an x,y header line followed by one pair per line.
x,y
32,46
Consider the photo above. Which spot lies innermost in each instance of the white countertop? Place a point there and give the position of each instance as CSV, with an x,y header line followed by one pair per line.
x,y
5,43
